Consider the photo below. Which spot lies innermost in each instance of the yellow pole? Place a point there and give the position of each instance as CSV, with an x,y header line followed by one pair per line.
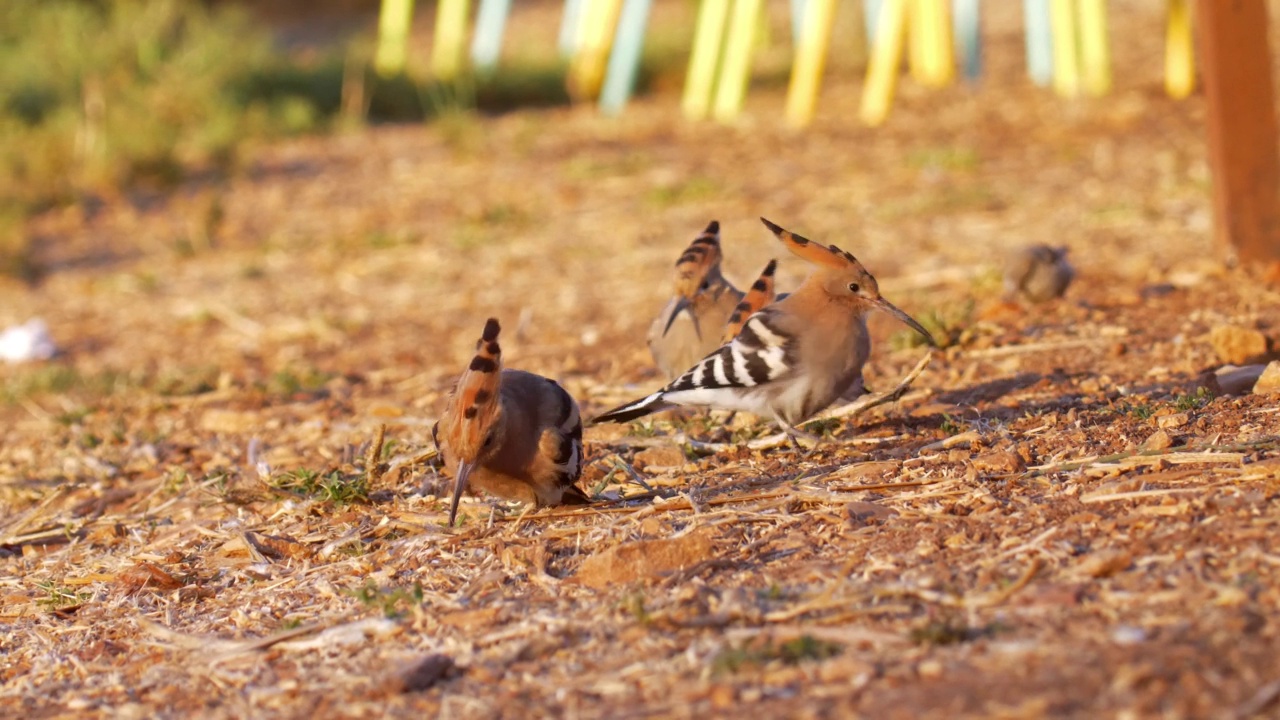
x,y
595,38
1066,67
708,37
1095,46
735,70
916,39
811,57
1179,52
394,20
886,57
931,20
450,39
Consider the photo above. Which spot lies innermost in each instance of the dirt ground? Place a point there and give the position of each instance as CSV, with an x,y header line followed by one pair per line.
x,y
1052,521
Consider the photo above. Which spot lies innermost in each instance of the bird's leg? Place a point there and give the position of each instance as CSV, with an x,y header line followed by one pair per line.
x,y
796,434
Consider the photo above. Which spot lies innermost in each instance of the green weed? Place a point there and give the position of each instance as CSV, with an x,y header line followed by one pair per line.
x,y
58,596
824,427
953,158
333,487
698,189
949,631
953,425
634,604
644,429
792,652
59,378
291,381
124,92
948,325
388,600
1141,411
187,381
1193,401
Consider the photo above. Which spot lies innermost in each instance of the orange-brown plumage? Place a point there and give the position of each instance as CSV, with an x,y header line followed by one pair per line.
x,y
690,324
761,293
510,433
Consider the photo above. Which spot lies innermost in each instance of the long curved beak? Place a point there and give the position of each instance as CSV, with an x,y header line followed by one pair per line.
x,y
909,321
459,484
684,304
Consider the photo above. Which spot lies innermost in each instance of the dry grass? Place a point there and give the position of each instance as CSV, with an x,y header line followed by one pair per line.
x,y
198,520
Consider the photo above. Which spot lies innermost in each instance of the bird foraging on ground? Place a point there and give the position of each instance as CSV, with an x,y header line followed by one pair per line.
x,y
510,433
794,357
690,324
1038,273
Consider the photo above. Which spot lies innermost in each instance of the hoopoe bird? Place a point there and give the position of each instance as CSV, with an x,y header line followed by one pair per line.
x,y
689,326
793,358
761,294
510,433
1038,272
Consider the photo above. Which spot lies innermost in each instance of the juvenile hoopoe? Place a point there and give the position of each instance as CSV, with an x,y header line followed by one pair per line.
x,y
760,295
1037,272
510,433
793,358
689,326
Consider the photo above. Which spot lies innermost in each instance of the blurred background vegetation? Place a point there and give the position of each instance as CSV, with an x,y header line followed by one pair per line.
x,y
101,96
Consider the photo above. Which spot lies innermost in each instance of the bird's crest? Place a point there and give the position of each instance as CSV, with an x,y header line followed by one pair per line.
x,y
698,260
815,252
760,294
474,405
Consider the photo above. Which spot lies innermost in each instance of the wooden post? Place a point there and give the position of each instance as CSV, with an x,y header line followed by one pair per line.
x,y
1243,155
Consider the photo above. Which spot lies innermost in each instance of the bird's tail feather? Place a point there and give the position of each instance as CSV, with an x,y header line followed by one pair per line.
x,y
632,410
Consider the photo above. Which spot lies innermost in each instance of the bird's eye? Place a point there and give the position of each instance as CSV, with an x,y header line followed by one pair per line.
x,y
705,285
853,287
488,442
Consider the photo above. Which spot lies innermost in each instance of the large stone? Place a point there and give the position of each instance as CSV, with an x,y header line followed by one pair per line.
x,y
999,462
644,559
1269,382
1159,440
660,457
1231,380
1238,345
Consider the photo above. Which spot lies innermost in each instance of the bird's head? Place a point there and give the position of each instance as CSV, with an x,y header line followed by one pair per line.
x,y
697,273
471,426
842,277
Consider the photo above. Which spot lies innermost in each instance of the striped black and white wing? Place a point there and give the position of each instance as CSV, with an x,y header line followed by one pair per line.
x,y
759,355
729,378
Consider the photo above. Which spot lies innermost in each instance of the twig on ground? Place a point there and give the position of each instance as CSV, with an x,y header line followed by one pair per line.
x,y
371,473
